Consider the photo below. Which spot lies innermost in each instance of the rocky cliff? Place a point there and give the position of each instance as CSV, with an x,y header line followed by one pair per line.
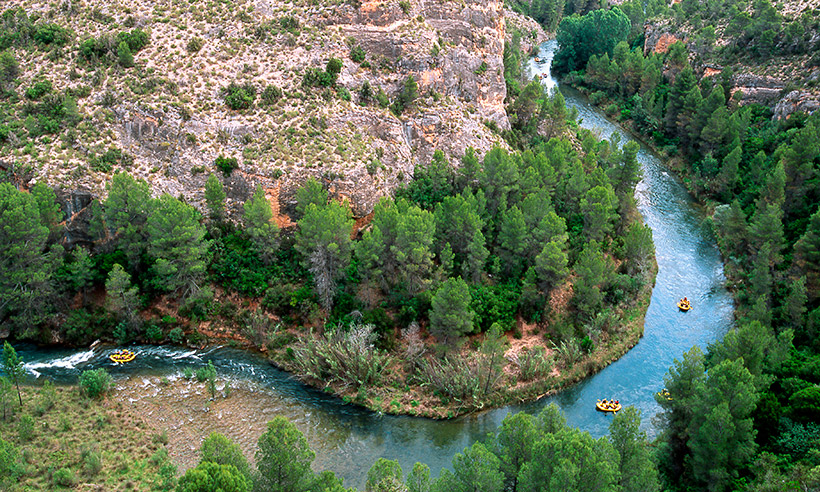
x,y
168,111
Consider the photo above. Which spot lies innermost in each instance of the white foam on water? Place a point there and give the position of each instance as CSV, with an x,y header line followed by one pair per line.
x,y
69,362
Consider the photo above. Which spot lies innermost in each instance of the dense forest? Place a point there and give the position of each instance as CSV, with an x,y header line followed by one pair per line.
x,y
760,175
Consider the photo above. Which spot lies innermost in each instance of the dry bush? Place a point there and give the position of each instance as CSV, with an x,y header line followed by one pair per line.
x,y
346,357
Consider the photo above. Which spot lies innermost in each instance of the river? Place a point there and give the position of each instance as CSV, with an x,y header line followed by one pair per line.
x,y
348,439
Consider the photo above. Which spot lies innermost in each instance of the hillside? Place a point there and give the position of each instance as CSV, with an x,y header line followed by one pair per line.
x,y
167,119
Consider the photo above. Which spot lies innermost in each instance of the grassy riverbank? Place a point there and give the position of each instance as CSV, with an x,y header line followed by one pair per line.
x,y
66,440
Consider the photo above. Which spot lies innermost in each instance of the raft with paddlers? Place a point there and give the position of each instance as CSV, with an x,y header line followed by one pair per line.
x,y
684,304
608,405
122,356
664,393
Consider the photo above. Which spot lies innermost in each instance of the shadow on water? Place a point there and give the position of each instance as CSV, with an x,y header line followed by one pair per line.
x,y
348,439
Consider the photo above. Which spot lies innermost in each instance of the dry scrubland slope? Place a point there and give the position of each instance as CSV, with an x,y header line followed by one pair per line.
x,y
168,110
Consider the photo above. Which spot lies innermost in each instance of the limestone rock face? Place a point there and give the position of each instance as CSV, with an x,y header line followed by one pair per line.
x,y
796,101
758,89
169,112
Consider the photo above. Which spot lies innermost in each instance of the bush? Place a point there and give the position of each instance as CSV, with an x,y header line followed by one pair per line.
x,y
205,373
271,94
176,335
52,34
534,364
195,44
349,358
357,54
289,23
95,383
136,40
92,462
25,427
239,97
39,89
154,333
64,477
226,164
568,352
124,55
455,376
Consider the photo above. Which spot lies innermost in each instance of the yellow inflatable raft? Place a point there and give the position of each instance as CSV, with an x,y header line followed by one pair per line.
x,y
122,356
608,406
684,306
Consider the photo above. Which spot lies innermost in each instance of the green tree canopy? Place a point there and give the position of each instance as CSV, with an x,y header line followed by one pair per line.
x,y
451,316
324,241
261,228
283,458
213,477
220,450
176,240
593,34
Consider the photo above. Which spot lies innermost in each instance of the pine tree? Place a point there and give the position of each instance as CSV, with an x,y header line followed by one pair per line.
x,y
722,438
513,238
476,469
451,316
123,298
593,274
384,476
638,247
25,284
283,458
413,251
323,239
551,266
637,468
311,192
215,198
176,239
126,212
418,480
261,228
13,367
807,256
598,207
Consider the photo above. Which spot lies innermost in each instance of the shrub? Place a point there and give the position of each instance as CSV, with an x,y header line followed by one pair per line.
x,y
206,373
289,23
154,333
39,89
25,427
92,462
226,164
534,364
481,68
64,477
124,55
95,383
239,97
52,34
357,54
568,352
349,358
195,44
405,6
176,335
136,40
455,376
271,94
587,345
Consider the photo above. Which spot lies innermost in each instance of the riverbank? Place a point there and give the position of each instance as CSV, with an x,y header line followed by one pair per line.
x,y
64,439
400,393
